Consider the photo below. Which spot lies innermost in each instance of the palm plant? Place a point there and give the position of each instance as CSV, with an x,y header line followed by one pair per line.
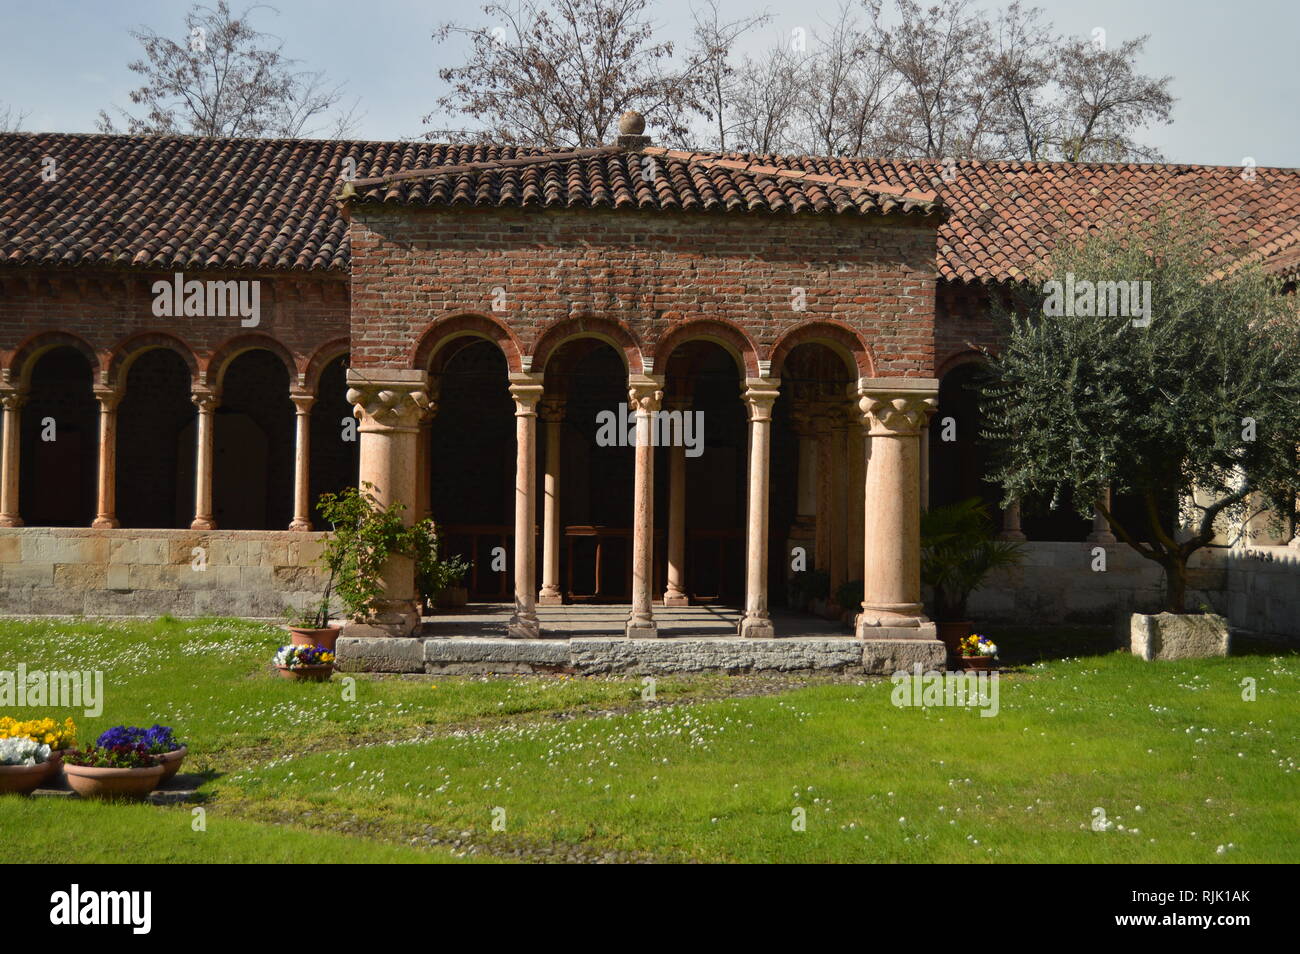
x,y
958,550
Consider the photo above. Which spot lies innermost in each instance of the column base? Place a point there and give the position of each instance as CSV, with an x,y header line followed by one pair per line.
x,y
756,627
641,628
1015,536
11,521
1294,544
523,627
875,628
203,523
551,597
676,599
391,618
300,525
1101,536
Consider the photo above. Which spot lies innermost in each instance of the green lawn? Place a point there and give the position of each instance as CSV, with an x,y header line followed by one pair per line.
x,y
572,768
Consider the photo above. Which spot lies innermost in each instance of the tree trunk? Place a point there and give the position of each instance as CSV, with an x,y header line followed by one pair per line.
x,y
1176,585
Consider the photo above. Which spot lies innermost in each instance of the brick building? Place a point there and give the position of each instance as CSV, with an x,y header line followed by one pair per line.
x,y
199,337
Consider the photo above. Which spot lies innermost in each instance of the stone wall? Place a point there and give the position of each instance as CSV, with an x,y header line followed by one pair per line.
x,y
1264,590
150,572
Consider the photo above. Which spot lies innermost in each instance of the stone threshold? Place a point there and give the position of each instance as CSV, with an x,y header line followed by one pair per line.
x,y
597,655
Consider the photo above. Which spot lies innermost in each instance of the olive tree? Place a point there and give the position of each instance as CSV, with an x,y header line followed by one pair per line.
x,y
1146,360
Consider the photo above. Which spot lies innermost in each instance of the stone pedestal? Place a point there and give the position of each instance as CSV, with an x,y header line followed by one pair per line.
x,y
1172,636
894,411
389,403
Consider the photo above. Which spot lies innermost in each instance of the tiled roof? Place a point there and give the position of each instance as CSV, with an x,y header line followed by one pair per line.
x,y
175,202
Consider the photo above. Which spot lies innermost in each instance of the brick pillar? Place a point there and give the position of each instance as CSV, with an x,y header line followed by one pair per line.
x,y
106,506
207,401
389,404
13,401
894,410
760,395
526,389
644,394
302,403
552,415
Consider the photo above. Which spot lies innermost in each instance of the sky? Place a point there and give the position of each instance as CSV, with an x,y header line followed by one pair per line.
x,y
1235,69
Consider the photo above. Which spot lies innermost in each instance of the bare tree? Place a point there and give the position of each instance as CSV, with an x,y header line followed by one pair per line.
x,y
225,78
710,59
765,99
1105,100
559,73
848,88
11,121
1021,73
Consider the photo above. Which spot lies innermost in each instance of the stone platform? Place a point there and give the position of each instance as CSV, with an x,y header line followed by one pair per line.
x,y
589,640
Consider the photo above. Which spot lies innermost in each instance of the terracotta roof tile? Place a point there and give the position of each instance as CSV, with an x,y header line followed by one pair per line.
x,y
173,202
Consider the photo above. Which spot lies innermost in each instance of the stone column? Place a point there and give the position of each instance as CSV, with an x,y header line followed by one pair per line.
x,y
207,401
822,542
389,402
13,400
302,403
675,592
925,463
526,389
106,508
644,394
857,477
423,466
552,414
1100,528
895,411
839,530
760,396
1011,523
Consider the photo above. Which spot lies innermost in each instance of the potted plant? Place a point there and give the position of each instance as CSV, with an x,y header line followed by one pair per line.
x,y
439,581
313,628
23,765
958,550
158,739
808,587
58,736
848,597
310,663
123,771
978,652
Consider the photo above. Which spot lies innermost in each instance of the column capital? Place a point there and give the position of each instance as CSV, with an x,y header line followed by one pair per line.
x,y
108,397
760,394
645,392
302,401
205,398
526,389
389,397
11,398
551,410
897,406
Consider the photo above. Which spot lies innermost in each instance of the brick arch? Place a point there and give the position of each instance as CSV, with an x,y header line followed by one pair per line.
x,y
840,338
324,356
612,332
723,333
214,368
126,352
25,356
465,324
959,358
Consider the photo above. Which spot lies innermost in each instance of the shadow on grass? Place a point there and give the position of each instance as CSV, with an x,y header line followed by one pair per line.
x,y
1023,645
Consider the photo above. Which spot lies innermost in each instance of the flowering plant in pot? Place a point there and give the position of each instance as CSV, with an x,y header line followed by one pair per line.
x,y
121,771
23,765
312,628
977,652
59,736
314,663
958,550
158,739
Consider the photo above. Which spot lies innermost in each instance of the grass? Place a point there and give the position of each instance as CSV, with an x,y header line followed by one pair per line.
x,y
1184,768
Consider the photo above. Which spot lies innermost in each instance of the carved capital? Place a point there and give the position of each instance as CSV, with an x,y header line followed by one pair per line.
x,y
205,399
898,412
551,410
388,405
108,398
302,401
526,389
12,399
760,395
645,393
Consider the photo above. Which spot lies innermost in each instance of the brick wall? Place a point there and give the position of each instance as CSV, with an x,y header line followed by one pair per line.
x,y
647,271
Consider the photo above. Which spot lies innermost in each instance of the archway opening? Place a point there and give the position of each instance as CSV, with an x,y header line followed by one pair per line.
x,y
155,410
335,443
59,458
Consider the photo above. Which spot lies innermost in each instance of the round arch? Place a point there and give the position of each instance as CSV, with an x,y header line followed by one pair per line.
x,y
612,332
30,351
232,348
127,352
442,332
324,356
722,333
840,338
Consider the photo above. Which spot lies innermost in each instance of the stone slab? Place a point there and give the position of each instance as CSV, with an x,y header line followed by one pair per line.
x,y
379,654
884,657
494,655
1169,636
596,655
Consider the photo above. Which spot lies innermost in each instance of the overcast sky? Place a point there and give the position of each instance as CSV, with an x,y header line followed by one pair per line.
x,y
1235,73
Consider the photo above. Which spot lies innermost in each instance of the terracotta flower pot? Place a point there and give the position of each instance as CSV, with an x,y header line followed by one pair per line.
x,y
108,783
314,637
171,762
979,663
951,633
22,779
307,673
453,597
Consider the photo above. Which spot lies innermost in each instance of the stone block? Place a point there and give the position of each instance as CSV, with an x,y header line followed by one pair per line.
x,y
379,654
1169,636
729,654
11,548
887,656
